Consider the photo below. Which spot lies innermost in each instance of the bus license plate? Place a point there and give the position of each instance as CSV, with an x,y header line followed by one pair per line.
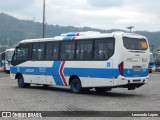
x,y
137,68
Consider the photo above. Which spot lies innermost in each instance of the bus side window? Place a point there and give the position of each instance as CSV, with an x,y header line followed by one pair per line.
x,y
63,54
55,50
49,51
104,49
79,51
21,54
88,54
84,50
38,51
52,51
67,50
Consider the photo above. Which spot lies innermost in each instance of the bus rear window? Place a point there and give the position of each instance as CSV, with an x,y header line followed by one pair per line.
x,y
135,43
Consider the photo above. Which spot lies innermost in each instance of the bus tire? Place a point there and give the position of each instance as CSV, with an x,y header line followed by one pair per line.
x,y
76,86
20,81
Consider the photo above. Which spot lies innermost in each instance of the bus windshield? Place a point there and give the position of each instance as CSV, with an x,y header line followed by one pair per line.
x,y
135,43
9,55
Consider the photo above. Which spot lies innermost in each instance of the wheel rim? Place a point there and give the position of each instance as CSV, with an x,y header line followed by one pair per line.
x,y
20,82
75,86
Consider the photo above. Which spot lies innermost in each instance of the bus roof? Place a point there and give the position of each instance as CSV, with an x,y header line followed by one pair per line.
x,y
37,40
81,35
10,49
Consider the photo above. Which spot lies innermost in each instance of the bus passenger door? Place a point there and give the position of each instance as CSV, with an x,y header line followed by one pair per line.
x,y
38,52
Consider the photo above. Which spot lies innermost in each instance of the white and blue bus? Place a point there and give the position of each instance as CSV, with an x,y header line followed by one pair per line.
x,y
83,60
8,57
5,59
2,61
152,64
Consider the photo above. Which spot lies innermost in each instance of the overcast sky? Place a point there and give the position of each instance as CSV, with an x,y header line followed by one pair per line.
x,y
104,14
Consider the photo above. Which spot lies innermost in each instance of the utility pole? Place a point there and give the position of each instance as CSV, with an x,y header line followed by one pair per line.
x,y
43,18
152,48
130,28
8,41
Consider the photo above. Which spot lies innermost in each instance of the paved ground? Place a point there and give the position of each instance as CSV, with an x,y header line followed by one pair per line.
x,y
37,98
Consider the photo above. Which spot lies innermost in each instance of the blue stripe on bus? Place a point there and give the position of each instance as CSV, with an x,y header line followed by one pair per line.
x,y
103,73
86,72
55,73
80,72
30,70
131,73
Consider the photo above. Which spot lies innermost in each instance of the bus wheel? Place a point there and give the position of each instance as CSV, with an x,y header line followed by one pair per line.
x,y
76,86
102,90
21,82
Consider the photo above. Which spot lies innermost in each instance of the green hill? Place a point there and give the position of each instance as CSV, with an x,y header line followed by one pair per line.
x,y
13,30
